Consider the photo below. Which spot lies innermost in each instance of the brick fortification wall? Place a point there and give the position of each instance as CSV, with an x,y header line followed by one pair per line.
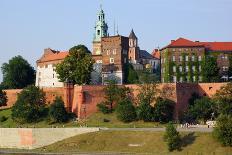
x,y
82,100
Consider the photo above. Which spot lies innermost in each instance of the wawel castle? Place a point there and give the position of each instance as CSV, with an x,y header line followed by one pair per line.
x,y
179,61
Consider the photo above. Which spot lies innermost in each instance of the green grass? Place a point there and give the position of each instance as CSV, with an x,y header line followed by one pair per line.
x,y
144,143
96,120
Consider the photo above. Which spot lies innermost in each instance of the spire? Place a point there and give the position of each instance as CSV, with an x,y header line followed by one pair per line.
x,y
132,35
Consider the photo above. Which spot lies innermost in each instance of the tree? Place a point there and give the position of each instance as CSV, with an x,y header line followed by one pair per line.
x,y
77,66
145,111
125,111
30,105
3,98
223,99
17,73
172,138
202,109
194,97
57,111
163,110
210,70
131,75
223,130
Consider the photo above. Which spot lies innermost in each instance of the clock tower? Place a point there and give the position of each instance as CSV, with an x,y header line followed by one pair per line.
x,y
101,30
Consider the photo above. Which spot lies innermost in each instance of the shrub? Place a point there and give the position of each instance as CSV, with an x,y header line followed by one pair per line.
x,y
163,110
102,107
57,111
3,98
30,105
145,112
3,118
125,111
172,138
223,130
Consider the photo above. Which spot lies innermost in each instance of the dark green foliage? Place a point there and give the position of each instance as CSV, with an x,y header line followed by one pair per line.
x,y
131,75
77,67
223,130
172,138
223,99
3,98
164,110
210,70
17,73
30,105
202,109
102,107
147,76
194,97
126,111
145,112
57,111
3,118
230,66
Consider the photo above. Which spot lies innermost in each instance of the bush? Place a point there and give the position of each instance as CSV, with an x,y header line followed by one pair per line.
x,y
30,105
102,107
3,118
57,111
145,112
163,110
172,138
3,98
223,130
125,111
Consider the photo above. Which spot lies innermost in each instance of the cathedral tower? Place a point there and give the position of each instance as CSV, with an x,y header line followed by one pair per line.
x,y
133,54
101,30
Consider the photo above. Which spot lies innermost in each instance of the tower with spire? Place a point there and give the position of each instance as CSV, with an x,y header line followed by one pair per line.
x,y
133,54
101,30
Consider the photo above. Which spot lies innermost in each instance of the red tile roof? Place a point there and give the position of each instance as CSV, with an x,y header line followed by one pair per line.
x,y
53,56
156,53
212,46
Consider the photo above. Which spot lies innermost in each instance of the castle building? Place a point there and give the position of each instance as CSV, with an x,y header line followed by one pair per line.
x,y
181,60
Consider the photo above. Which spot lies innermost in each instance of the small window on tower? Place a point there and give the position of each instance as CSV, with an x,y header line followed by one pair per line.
x,y
98,32
99,18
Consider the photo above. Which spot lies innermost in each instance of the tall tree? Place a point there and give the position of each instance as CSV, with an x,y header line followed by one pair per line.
x,y
76,67
131,75
210,70
17,73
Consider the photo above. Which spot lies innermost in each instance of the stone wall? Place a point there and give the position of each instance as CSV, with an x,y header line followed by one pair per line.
x,y
31,138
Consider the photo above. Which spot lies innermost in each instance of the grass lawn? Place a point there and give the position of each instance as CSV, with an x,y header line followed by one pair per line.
x,y
136,142
96,120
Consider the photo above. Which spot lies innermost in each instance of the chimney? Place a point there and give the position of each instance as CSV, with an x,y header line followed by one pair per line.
x,y
197,41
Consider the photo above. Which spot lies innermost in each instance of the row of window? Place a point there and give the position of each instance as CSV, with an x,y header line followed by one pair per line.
x,y
186,49
181,69
182,58
112,60
174,79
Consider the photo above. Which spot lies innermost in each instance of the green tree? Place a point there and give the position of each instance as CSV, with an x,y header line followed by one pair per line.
x,y
194,97
202,109
57,111
77,66
164,110
223,130
172,137
17,73
131,75
30,105
210,70
125,111
145,111
223,99
3,98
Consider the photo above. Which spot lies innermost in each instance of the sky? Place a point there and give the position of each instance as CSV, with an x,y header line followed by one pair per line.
x,y
27,27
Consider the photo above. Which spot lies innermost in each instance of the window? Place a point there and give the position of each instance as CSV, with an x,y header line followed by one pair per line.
x,y
199,58
124,60
181,79
180,49
124,51
224,68
226,57
174,69
174,78
39,73
193,57
163,70
186,58
53,84
111,60
180,68
200,78
193,68
98,32
194,78
46,66
173,50
53,76
161,61
199,68
173,58
164,60
181,58
114,51
108,52
186,68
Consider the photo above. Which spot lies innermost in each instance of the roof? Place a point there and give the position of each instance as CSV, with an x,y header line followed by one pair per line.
x,y
145,55
156,53
132,35
53,56
212,46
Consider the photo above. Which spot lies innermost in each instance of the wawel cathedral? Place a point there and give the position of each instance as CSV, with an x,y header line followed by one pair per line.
x,y
111,54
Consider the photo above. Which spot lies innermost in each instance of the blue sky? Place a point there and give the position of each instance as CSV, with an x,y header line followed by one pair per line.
x,y
29,26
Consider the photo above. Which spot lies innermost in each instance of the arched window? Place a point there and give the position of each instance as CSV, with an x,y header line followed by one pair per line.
x,y
98,32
